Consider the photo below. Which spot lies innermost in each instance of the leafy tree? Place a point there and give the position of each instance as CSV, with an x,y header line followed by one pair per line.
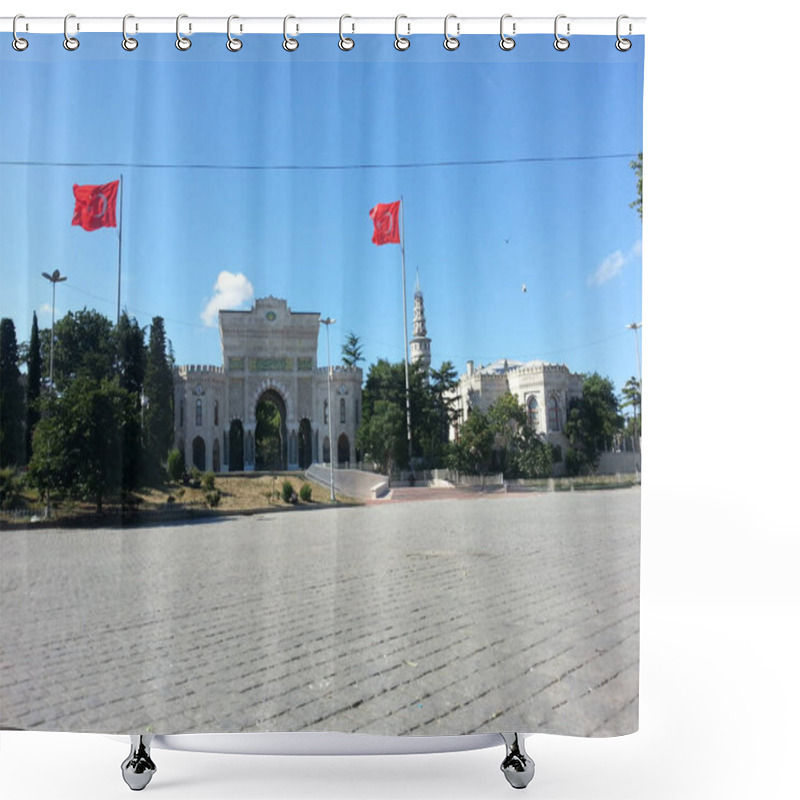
x,y
636,166
84,346
472,453
531,456
382,434
506,420
351,350
158,388
130,354
268,436
632,394
79,446
34,388
593,419
12,398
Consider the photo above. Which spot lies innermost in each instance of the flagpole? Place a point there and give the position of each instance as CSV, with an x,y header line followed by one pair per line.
x,y
119,254
405,334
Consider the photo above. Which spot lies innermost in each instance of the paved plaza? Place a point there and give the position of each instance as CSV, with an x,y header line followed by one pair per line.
x,y
492,613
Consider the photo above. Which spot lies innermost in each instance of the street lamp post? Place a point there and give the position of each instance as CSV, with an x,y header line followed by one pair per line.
x,y
636,327
55,278
327,322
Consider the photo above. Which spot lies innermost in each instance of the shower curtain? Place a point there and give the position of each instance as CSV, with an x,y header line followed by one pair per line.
x,y
321,384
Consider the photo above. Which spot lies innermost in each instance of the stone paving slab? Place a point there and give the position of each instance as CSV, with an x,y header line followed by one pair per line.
x,y
495,612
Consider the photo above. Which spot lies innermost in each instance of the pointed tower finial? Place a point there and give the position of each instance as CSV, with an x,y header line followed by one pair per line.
x,y
420,344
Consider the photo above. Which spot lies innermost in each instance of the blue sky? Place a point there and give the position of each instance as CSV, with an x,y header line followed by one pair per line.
x,y
255,172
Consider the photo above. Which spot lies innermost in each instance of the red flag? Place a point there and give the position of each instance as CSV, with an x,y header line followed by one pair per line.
x,y
387,229
95,206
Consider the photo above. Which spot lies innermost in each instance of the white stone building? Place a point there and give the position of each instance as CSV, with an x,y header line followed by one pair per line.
x,y
544,390
268,353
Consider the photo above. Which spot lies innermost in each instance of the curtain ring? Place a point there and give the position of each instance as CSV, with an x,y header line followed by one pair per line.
x,y
345,42
233,44
450,42
289,44
181,42
506,42
128,42
19,44
401,42
561,43
70,42
623,45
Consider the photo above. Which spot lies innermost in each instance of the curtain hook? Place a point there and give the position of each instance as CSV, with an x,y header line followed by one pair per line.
x,y
623,45
181,42
19,44
345,42
507,42
70,42
233,44
451,42
401,42
128,42
289,44
561,43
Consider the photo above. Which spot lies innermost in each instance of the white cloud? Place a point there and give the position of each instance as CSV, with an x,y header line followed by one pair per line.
x,y
612,265
230,291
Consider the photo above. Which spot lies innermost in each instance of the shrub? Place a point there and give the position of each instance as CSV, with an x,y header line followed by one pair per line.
x,y
287,492
213,497
175,465
207,481
10,488
305,493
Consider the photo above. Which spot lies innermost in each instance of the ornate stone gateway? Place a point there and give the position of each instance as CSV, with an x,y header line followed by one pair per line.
x,y
269,359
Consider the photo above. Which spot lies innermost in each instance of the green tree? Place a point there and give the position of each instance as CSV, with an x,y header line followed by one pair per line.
x,y
382,435
158,388
472,453
632,398
593,420
130,354
34,388
84,346
12,398
268,436
531,457
636,166
506,420
351,350
79,444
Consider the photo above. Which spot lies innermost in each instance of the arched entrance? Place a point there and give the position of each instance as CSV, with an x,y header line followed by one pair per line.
x,y
326,450
199,453
304,444
237,446
271,439
343,451
215,456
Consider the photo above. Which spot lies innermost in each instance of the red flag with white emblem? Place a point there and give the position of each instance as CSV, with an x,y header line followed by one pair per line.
x,y
385,218
95,206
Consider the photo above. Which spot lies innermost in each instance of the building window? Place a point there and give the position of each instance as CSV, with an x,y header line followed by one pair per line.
x,y
325,412
342,411
553,414
216,412
533,413
198,413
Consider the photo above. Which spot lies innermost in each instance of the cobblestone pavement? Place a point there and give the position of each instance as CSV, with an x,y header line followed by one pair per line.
x,y
483,615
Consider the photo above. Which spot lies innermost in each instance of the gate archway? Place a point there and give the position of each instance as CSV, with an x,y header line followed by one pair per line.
x,y
343,451
236,443
271,440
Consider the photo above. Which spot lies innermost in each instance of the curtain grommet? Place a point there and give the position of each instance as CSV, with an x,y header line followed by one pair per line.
x,y
70,42
128,42
345,42
233,44
181,42
561,43
290,44
507,42
401,43
451,42
18,43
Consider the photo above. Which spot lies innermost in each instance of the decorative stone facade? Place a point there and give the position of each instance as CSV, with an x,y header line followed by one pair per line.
x,y
268,351
544,390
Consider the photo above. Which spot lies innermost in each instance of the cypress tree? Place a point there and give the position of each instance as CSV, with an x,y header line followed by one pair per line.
x,y
158,388
34,384
12,398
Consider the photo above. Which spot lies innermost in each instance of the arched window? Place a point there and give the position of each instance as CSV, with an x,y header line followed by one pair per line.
x,y
325,412
553,414
198,413
533,413
216,412
342,411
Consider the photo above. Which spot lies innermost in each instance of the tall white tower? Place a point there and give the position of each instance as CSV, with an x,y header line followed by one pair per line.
x,y
420,344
